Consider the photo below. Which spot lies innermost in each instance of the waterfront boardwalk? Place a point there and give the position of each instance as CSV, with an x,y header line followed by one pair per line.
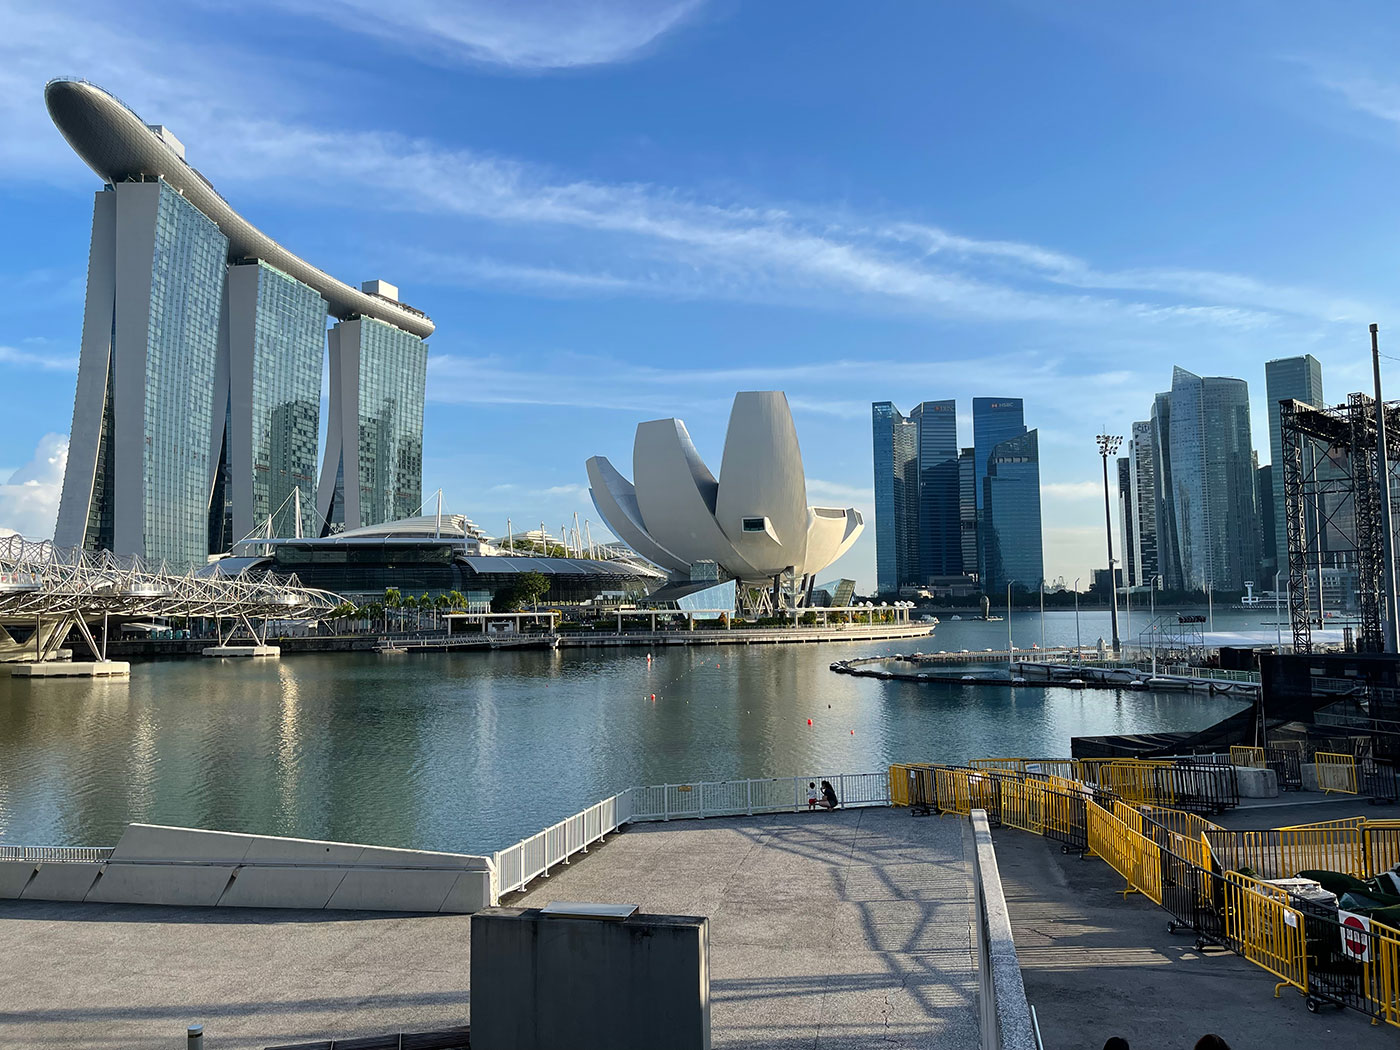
x,y
829,929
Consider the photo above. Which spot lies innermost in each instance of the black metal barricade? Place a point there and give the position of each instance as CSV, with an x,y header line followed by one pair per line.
x,y
1195,899
1287,766
1199,787
1378,781
1342,960
923,794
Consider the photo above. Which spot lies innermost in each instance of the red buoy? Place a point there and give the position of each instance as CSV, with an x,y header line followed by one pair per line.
x,y
809,721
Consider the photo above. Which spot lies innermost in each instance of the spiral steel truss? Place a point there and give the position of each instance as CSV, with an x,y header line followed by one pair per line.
x,y
57,589
1331,495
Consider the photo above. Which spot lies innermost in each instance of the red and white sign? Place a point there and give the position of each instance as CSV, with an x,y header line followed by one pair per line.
x,y
1356,935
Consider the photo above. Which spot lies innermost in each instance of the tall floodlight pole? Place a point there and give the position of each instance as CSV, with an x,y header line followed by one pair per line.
x,y
1042,613
1392,615
1152,617
1108,446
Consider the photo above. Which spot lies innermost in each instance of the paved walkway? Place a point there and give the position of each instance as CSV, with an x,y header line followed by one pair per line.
x,y
846,929
1096,965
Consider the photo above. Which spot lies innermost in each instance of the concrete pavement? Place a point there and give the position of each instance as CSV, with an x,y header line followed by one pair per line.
x,y
843,929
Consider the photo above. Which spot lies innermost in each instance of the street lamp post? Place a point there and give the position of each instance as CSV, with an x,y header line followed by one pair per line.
x,y
1077,643
1278,622
1108,446
1008,625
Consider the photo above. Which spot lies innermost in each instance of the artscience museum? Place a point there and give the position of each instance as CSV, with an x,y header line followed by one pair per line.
x,y
753,521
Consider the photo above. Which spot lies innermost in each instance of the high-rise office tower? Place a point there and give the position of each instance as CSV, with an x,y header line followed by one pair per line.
x,y
1010,526
1164,496
1142,493
896,445
994,420
940,531
967,509
1217,521
1127,520
1268,554
1287,379
198,389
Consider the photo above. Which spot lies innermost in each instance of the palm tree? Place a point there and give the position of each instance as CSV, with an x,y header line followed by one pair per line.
x,y
393,600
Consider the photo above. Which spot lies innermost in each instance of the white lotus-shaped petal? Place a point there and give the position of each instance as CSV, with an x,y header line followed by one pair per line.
x,y
754,520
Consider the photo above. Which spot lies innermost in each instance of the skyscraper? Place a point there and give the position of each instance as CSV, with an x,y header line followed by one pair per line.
x,y
199,372
940,531
1127,519
1010,528
376,425
1287,379
967,509
1142,494
994,420
896,447
1163,494
1217,522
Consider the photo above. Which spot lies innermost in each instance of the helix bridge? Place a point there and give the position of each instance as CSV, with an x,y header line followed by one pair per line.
x,y
46,592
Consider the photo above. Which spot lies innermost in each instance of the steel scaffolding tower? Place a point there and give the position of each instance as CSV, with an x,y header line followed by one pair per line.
x,y
1331,496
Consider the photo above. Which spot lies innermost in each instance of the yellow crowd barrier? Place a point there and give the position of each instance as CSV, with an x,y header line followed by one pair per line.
x,y
1336,772
1260,922
1127,852
1247,756
1269,932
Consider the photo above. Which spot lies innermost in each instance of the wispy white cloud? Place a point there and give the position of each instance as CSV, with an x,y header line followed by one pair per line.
x,y
9,355
29,499
539,35
1071,490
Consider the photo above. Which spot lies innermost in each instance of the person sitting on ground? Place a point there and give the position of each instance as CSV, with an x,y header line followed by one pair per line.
x,y
828,799
1116,1042
812,795
1211,1042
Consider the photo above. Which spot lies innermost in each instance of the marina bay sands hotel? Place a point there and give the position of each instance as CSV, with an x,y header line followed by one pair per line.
x,y
197,413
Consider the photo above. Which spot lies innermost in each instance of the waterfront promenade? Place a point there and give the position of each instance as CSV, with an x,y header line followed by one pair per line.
x,y
829,929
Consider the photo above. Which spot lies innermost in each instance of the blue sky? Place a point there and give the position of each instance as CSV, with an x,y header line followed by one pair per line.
x,y
622,211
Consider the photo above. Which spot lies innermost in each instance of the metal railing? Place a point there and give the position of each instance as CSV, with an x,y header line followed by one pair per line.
x,y
516,866
62,854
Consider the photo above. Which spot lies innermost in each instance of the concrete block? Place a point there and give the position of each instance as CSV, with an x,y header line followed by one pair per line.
x,y
14,875
1310,776
1257,783
534,976
392,889
471,893
267,849
158,842
389,857
183,884
61,881
282,887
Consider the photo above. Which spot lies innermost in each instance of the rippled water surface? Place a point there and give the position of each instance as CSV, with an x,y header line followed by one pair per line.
x,y
475,750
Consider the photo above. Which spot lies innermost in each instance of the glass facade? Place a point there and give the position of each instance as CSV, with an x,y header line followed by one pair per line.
x,y
1127,549
1142,484
1212,463
1164,495
393,377
967,509
187,295
896,497
994,420
1011,515
288,347
940,532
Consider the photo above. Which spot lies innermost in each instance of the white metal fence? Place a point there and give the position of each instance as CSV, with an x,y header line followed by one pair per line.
x,y
518,865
